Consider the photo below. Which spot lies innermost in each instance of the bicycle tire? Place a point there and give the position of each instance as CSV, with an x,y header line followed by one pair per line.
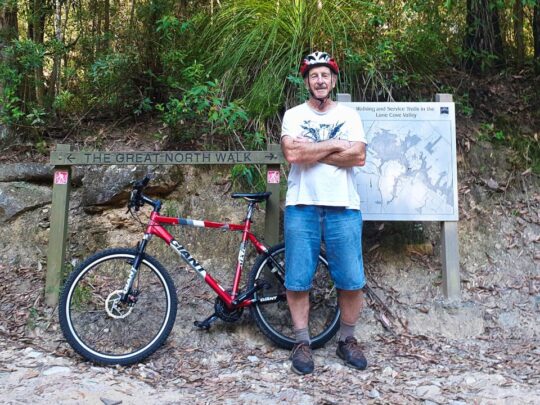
x,y
274,319
108,332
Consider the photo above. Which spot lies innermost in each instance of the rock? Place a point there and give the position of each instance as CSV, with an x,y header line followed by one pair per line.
x,y
110,185
35,173
492,184
428,391
509,319
29,352
107,401
374,393
389,372
31,172
469,380
57,370
455,320
253,359
18,197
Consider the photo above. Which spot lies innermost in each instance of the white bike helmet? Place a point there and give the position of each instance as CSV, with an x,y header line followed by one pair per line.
x,y
316,59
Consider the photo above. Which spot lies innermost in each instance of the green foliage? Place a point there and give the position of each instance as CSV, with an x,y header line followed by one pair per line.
x,y
180,69
171,28
464,105
203,103
248,177
528,152
33,318
24,56
63,100
36,117
144,106
11,112
488,132
42,147
229,73
110,81
255,45
27,55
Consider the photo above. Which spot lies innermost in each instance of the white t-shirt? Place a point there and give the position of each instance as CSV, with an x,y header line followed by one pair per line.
x,y
320,183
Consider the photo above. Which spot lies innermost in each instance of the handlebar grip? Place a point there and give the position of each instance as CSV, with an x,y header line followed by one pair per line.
x,y
140,184
135,200
146,180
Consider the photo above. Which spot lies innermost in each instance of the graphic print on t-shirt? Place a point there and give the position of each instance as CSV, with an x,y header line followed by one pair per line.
x,y
321,132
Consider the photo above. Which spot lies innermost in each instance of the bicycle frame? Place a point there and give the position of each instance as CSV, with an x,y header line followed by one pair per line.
x,y
154,227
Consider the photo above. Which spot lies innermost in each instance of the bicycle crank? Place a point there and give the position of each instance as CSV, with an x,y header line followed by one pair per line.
x,y
226,314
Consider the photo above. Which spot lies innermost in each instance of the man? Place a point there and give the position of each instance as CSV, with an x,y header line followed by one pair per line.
x,y
323,141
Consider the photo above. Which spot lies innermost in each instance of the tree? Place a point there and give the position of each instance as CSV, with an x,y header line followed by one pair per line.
x,y
483,41
8,32
8,26
518,19
536,35
38,11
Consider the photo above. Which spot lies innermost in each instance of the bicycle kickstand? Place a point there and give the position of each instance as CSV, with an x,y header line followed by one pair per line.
x,y
207,322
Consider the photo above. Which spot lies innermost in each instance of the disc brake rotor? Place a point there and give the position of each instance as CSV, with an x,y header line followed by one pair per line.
x,y
115,307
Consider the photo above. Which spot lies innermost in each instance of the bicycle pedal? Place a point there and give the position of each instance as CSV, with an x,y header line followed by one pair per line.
x,y
206,323
202,325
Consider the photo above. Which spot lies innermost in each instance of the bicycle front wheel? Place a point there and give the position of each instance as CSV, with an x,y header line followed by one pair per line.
x,y
104,329
271,312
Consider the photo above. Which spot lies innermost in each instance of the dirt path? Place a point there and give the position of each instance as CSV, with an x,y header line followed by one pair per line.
x,y
405,370
485,350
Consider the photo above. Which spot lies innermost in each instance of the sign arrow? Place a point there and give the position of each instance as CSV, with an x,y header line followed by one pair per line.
x,y
70,158
271,156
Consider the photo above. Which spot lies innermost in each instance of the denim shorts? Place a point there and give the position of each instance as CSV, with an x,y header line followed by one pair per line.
x,y
340,229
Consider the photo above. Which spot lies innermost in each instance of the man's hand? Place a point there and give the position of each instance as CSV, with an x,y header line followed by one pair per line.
x,y
353,155
304,151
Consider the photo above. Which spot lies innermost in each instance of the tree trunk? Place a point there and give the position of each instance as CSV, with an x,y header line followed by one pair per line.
x,y
106,24
99,31
36,32
94,11
518,33
536,35
183,8
132,14
8,32
483,40
55,85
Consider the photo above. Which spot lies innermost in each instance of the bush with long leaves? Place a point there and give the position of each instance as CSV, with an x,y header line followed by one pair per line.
x,y
255,45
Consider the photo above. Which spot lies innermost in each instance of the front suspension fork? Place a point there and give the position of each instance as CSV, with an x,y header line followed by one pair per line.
x,y
141,246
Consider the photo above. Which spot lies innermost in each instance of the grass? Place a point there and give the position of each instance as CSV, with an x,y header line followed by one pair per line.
x,y
256,44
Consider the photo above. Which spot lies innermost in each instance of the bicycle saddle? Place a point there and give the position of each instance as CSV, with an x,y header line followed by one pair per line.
x,y
257,197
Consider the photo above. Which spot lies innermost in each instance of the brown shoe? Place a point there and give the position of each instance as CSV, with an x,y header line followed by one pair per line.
x,y
351,353
302,358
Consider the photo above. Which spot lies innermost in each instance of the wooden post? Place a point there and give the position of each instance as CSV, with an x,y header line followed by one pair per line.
x,y
344,97
449,244
58,230
271,221
450,260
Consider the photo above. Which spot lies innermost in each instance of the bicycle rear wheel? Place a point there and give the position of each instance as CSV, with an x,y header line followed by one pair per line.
x,y
105,330
271,312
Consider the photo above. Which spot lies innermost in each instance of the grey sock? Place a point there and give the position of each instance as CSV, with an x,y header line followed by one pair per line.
x,y
345,330
301,335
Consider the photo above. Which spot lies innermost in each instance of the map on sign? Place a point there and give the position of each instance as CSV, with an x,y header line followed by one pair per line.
x,y
410,172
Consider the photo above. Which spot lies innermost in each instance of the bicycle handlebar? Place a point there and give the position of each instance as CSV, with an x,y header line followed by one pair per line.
x,y
137,198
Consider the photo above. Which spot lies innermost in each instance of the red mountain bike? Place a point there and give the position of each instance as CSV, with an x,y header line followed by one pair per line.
x,y
119,305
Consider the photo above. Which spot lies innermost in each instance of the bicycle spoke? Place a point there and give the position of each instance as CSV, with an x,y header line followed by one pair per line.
x,y
102,325
274,319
